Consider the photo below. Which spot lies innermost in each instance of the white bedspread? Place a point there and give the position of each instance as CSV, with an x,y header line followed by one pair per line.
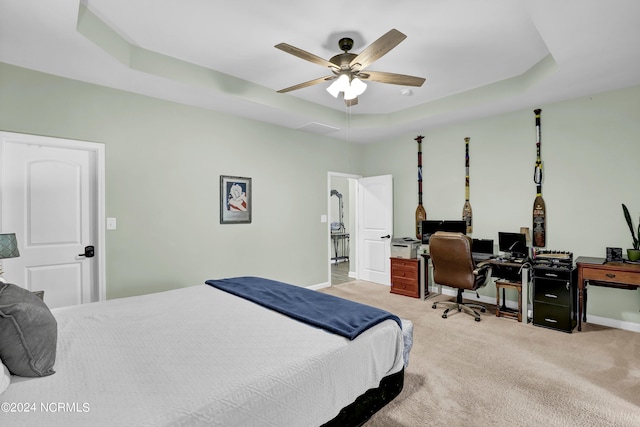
x,y
198,356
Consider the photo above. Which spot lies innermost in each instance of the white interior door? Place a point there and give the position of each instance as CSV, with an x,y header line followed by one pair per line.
x,y
50,200
375,228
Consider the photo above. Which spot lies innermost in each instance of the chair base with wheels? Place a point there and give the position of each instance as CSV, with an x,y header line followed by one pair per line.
x,y
458,304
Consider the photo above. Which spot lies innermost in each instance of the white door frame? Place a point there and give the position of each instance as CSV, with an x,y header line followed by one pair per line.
x,y
98,149
352,234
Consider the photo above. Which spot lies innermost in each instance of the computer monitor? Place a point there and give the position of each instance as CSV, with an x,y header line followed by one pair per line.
x,y
482,246
431,226
513,243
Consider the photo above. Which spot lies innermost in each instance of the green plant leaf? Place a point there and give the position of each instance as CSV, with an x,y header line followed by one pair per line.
x,y
636,243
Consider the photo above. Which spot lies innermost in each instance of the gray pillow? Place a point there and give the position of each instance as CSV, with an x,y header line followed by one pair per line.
x,y
28,333
5,378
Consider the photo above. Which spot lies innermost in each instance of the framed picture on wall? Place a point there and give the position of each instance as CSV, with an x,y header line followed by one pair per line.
x,y
235,200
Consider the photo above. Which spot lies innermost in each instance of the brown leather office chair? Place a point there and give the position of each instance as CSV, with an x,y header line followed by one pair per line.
x,y
453,266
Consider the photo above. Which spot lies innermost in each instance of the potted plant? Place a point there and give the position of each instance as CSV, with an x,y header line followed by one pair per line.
x,y
632,254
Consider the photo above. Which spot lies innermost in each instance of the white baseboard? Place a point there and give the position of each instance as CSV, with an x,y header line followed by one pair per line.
x,y
319,286
613,323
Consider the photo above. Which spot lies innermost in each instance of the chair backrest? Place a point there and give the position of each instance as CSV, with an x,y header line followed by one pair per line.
x,y
452,260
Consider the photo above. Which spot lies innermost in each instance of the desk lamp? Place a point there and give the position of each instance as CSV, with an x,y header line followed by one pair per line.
x,y
8,248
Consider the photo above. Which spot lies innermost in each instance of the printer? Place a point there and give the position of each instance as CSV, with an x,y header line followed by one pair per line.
x,y
404,247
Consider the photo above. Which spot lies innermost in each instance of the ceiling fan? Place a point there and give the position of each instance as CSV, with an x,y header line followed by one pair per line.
x,y
347,68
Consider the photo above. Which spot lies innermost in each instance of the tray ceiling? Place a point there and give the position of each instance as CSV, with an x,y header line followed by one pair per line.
x,y
479,58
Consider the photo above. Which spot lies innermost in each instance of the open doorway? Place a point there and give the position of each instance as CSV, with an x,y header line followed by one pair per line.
x,y
342,227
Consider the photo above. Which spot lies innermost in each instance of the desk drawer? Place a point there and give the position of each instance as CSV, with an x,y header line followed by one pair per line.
x,y
409,266
554,317
611,276
405,286
552,273
552,291
401,273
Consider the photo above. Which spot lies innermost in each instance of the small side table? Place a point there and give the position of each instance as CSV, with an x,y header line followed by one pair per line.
x,y
504,310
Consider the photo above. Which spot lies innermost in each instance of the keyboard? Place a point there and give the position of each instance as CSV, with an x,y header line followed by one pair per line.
x,y
510,260
481,256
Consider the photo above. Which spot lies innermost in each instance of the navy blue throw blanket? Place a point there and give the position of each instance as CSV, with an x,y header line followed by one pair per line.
x,y
340,316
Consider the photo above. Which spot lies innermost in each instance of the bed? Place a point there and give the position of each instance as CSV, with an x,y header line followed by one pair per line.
x,y
204,356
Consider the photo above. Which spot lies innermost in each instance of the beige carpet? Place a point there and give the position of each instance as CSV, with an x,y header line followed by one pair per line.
x,y
498,372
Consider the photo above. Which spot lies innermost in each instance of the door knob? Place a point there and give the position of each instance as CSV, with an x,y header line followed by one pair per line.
x,y
385,237
89,252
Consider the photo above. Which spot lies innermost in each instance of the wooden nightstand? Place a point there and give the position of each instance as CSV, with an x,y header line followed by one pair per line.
x,y
405,276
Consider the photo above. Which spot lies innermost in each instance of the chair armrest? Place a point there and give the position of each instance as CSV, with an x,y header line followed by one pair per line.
x,y
482,267
482,274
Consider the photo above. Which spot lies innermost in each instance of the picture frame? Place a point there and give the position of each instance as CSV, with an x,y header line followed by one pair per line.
x,y
235,200
614,254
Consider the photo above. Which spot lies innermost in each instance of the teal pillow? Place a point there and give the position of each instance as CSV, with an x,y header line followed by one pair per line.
x,y
28,333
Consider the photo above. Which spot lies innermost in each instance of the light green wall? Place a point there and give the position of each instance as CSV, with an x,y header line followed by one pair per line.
x,y
163,163
590,151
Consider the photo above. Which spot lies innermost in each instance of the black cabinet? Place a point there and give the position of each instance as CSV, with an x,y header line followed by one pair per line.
x,y
555,298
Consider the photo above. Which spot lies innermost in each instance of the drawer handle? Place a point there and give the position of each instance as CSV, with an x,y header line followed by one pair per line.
x,y
550,275
550,320
610,275
551,296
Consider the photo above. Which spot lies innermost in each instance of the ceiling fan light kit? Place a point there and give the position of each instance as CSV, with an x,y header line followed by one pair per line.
x,y
339,85
356,88
347,67
351,87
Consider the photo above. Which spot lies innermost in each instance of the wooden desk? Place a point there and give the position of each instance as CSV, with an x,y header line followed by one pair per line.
x,y
503,269
598,272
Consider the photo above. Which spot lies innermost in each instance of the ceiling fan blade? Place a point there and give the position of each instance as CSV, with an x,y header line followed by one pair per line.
x,y
351,102
392,78
307,84
304,55
377,49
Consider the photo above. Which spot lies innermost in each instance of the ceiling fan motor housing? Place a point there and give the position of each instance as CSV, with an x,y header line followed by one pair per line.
x,y
342,60
345,44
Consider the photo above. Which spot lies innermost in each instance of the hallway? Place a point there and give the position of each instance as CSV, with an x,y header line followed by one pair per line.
x,y
340,273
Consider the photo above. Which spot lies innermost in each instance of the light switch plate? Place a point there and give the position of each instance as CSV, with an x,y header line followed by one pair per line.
x,y
111,223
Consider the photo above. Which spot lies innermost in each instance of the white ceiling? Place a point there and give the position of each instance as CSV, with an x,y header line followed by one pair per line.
x,y
479,57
